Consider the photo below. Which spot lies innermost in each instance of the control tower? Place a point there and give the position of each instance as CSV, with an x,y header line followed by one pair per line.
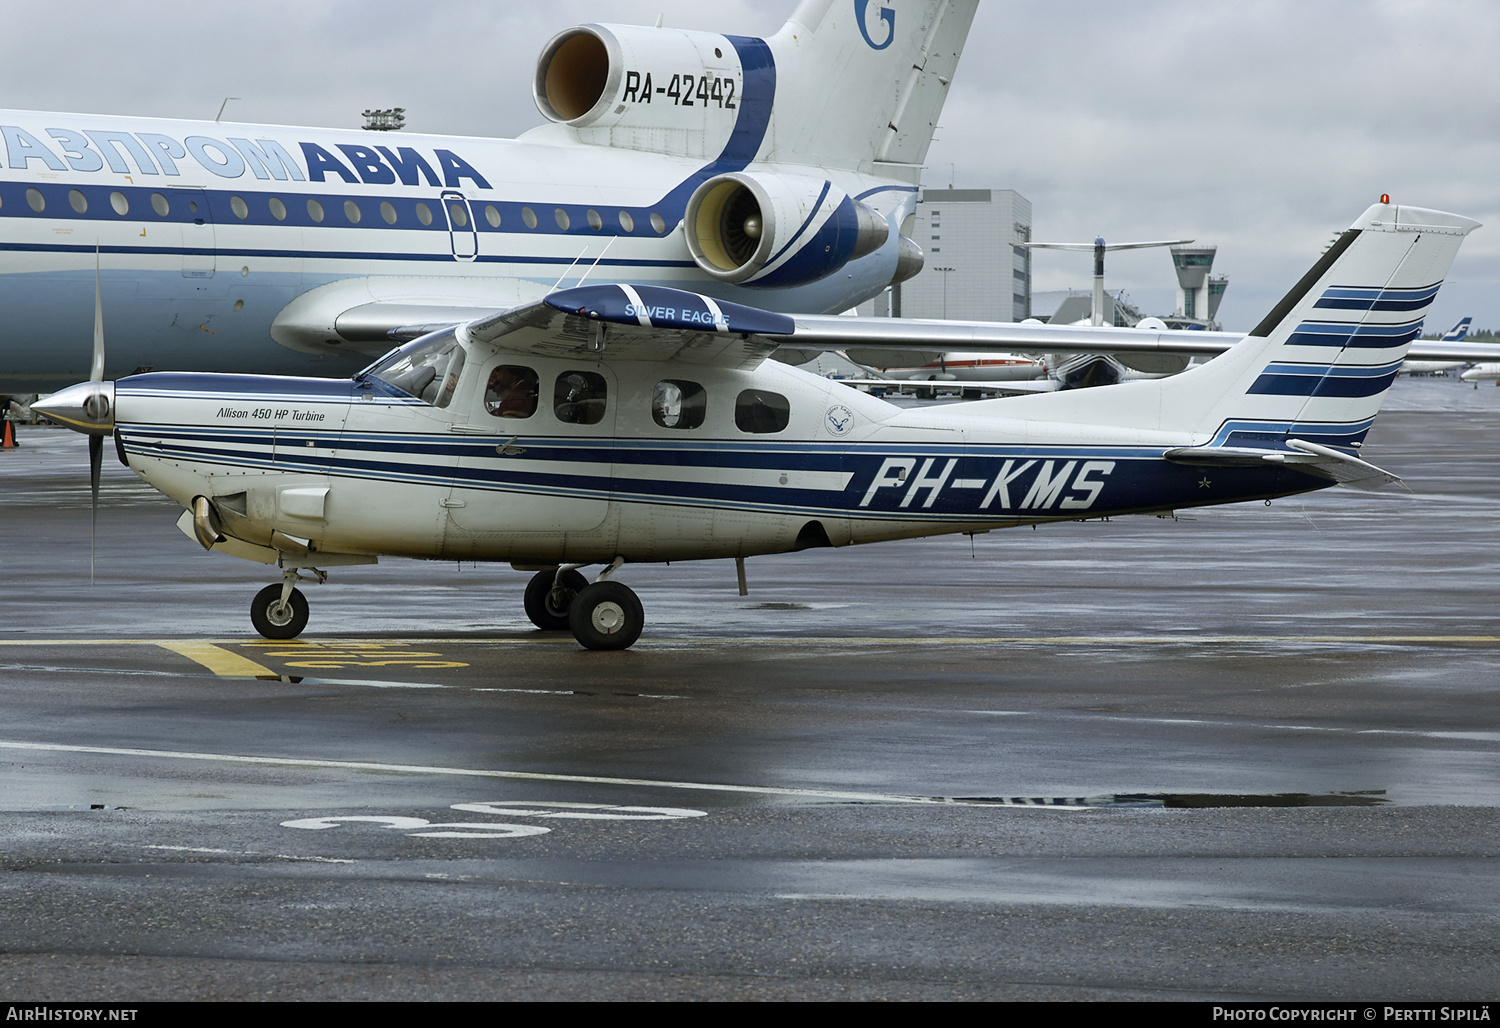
x,y
1198,292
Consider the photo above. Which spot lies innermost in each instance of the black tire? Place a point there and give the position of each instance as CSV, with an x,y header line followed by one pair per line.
x,y
275,622
606,616
546,609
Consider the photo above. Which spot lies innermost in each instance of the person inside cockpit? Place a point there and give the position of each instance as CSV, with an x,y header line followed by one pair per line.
x,y
511,392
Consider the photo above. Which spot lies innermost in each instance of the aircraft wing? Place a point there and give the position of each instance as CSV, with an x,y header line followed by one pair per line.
x,y
646,323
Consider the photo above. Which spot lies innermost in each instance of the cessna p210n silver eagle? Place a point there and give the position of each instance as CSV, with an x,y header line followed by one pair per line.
x,y
614,424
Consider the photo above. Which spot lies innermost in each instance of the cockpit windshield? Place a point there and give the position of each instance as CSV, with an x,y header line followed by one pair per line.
x,y
427,368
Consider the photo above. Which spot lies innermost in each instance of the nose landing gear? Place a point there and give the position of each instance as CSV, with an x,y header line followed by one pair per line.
x,y
280,611
278,616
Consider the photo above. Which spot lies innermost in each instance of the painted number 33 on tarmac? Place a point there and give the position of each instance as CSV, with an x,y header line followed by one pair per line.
x,y
420,827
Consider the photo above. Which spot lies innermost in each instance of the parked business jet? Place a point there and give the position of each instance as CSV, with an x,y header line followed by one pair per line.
x,y
616,424
771,172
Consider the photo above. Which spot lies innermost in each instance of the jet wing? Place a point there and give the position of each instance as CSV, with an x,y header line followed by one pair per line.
x,y
369,315
824,332
1015,388
841,333
642,323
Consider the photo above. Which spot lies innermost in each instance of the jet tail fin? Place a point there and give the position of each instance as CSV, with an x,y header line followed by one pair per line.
x,y
862,82
1458,333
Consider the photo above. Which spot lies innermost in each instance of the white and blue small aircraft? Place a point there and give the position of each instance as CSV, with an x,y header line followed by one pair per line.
x,y
614,424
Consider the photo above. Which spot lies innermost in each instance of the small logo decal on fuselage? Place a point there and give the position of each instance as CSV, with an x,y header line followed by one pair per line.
x,y
839,420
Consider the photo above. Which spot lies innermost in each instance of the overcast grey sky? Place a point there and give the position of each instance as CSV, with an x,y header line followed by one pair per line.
x,y
1263,126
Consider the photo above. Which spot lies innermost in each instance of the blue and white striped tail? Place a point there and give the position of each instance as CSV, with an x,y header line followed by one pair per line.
x,y
1320,363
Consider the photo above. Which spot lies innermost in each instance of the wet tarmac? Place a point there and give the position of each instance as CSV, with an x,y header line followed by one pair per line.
x,y
1250,753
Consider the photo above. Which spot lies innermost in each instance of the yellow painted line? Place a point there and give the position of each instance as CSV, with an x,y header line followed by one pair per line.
x,y
217,659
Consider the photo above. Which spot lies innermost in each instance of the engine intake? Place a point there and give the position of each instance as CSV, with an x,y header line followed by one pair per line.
x,y
573,74
761,230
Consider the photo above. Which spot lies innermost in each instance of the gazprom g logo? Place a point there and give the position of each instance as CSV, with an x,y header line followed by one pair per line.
x,y
886,15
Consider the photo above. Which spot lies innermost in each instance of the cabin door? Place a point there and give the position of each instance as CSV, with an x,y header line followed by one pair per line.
x,y
535,448
462,233
198,242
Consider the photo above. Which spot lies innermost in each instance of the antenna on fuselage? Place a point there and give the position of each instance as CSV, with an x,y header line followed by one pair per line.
x,y
224,105
569,268
597,259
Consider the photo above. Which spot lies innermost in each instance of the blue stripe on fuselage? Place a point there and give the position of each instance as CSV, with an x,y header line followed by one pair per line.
x,y
940,483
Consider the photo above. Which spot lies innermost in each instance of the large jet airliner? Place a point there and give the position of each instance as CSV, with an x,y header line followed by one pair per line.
x,y
774,172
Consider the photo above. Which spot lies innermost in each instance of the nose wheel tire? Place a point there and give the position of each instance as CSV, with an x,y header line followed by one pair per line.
x,y
276,620
547,607
606,616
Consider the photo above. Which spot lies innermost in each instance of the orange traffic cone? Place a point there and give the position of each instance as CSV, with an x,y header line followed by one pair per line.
x,y
8,435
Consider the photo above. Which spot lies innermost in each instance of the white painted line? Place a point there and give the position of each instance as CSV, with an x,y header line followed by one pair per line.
x,y
578,811
529,776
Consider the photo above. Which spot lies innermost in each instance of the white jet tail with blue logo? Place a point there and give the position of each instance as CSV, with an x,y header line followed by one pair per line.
x,y
1315,370
869,78
1458,333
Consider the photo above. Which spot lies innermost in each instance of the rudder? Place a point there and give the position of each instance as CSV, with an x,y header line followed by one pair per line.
x,y
862,82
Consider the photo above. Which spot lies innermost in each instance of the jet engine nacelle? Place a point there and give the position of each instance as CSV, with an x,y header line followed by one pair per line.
x,y
777,230
665,90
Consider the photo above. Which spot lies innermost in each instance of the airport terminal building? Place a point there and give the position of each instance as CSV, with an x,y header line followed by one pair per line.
x,y
974,269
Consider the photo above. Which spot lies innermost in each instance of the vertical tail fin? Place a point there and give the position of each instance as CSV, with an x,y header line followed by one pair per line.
x,y
1458,333
862,82
1317,367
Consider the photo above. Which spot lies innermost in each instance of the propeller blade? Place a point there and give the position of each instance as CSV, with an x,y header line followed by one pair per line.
x,y
96,461
97,372
96,442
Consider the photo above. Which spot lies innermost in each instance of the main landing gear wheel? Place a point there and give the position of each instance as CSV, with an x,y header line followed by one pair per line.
x,y
276,620
606,616
548,607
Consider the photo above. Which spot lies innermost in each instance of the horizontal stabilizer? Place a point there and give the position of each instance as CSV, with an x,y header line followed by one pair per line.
x,y
1312,458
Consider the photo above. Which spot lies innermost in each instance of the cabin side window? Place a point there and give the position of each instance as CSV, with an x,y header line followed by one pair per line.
x,y
678,404
511,392
427,369
761,411
578,398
